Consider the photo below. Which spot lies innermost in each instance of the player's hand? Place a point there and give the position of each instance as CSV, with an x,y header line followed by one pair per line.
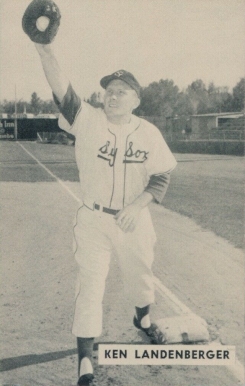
x,y
128,217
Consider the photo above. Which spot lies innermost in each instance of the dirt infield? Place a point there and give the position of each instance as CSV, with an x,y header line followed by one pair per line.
x,y
38,271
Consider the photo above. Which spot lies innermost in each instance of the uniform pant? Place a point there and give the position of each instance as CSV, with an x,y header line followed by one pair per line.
x,y
96,235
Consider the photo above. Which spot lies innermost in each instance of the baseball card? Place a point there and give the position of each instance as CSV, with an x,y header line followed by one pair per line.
x,y
122,132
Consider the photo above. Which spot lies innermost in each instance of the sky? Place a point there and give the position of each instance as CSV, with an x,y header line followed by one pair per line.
x,y
182,40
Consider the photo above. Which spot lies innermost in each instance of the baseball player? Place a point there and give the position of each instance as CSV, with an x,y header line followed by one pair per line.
x,y
124,164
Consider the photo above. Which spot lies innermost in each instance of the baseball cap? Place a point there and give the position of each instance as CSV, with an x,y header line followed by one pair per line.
x,y
123,75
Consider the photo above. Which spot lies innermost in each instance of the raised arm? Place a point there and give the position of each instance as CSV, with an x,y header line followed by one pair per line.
x,y
56,78
65,97
40,22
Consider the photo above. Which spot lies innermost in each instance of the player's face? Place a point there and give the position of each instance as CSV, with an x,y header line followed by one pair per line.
x,y
120,100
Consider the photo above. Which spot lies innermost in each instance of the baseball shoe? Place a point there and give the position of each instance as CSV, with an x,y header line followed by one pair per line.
x,y
85,380
153,332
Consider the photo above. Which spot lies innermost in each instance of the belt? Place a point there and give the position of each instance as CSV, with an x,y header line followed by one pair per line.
x,y
106,210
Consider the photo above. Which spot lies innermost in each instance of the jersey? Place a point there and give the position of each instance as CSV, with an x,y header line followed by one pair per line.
x,y
116,162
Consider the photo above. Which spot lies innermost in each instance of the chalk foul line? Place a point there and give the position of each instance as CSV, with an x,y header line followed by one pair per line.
x,y
50,173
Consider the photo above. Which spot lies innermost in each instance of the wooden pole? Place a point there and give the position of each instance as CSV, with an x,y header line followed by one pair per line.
x,y
15,118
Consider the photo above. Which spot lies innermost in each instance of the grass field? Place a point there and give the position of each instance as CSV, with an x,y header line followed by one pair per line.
x,y
207,188
210,190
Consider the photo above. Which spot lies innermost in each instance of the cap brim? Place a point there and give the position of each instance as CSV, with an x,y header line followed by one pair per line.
x,y
107,79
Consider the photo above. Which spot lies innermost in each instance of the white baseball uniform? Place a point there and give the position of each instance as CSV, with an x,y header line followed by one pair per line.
x,y
116,164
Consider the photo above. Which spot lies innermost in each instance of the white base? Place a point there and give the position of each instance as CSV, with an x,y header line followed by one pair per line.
x,y
184,329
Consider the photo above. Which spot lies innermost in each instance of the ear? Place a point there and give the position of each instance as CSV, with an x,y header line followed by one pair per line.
x,y
137,102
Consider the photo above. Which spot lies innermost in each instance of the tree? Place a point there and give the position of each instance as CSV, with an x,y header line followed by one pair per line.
x,y
227,102
8,107
239,95
49,107
198,96
184,105
35,104
220,100
21,106
159,99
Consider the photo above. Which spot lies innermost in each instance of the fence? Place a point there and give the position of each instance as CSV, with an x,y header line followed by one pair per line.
x,y
27,128
212,135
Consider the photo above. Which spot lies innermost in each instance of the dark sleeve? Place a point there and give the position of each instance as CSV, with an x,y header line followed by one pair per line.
x,y
158,186
70,104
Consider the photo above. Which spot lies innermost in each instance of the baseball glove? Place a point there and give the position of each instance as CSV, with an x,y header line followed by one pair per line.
x,y
41,21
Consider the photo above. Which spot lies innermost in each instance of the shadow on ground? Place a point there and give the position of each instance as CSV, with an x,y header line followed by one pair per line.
x,y
8,364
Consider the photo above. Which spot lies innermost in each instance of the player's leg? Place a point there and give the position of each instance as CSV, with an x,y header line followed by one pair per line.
x,y
138,277
92,253
85,354
143,316
136,255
